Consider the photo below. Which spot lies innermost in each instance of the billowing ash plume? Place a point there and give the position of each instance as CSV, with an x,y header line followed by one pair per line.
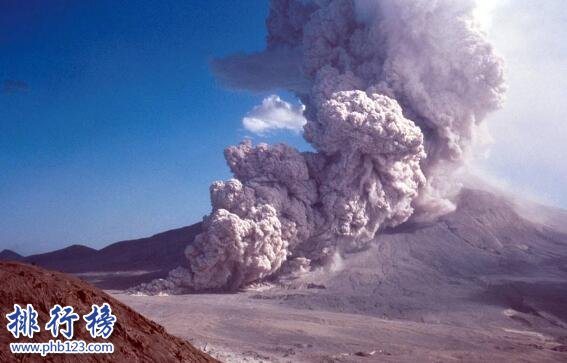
x,y
393,91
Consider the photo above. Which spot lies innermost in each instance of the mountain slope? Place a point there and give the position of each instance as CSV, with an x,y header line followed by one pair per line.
x,y
9,255
121,264
65,259
483,257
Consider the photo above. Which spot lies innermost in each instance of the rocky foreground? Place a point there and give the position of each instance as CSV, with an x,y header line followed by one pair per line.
x,y
135,338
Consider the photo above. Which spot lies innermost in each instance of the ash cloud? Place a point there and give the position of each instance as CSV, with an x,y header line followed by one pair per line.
x,y
394,91
278,68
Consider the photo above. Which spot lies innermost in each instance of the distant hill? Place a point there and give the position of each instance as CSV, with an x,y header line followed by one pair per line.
x,y
65,259
8,255
121,264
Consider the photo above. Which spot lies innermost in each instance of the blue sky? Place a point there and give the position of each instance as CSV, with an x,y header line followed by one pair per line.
x,y
112,126
121,127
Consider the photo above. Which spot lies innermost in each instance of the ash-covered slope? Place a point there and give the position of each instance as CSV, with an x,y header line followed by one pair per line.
x,y
483,256
135,338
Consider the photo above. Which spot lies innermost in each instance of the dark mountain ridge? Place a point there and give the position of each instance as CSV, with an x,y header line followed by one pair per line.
x,y
9,255
120,264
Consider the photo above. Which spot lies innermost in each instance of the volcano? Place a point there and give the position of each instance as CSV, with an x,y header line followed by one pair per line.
x,y
483,283
487,281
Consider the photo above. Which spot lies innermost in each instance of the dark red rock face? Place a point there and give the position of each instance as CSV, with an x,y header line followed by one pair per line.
x,y
135,338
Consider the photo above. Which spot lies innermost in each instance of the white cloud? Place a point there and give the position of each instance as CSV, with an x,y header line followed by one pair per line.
x,y
274,114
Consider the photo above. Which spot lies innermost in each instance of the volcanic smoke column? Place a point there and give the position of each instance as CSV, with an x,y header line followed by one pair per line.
x,y
393,90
